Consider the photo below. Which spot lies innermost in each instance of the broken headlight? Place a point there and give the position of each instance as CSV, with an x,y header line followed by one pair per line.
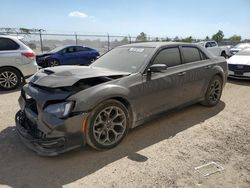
x,y
60,110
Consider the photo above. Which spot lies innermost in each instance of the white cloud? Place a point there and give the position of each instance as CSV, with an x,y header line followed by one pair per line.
x,y
78,14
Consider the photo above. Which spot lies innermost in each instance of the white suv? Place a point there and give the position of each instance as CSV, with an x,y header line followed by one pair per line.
x,y
17,62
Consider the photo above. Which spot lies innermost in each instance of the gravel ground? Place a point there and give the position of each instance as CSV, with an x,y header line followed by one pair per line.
x,y
160,153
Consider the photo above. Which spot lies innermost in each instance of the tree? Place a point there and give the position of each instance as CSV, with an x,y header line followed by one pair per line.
x,y
165,39
157,39
218,36
176,39
188,39
124,40
235,38
207,38
142,37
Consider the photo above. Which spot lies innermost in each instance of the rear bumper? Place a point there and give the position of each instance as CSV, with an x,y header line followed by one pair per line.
x,y
28,69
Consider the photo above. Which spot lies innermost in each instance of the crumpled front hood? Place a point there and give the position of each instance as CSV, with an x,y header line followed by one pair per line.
x,y
63,76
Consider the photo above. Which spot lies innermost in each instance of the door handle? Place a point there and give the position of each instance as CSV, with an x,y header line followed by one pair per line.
x,y
208,67
181,73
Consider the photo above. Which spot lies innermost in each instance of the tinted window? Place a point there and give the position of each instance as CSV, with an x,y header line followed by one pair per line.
x,y
208,44
213,44
170,57
80,48
69,50
8,44
191,54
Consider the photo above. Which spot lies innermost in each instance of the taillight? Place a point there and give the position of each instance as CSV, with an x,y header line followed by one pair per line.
x,y
29,55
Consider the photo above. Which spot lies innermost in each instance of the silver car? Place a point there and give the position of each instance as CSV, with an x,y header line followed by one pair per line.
x,y
17,62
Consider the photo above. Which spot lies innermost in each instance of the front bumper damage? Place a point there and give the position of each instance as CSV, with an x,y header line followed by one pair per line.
x,y
44,133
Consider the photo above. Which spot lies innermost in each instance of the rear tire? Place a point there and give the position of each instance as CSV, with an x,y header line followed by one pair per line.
x,y
53,63
107,125
10,78
214,91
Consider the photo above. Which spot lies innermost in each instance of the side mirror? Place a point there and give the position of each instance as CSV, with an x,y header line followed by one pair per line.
x,y
157,68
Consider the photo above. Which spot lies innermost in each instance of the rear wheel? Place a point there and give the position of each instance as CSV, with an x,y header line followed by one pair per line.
x,y
214,91
107,125
53,63
10,78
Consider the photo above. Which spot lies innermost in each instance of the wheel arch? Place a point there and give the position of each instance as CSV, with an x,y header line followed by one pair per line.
x,y
12,67
221,73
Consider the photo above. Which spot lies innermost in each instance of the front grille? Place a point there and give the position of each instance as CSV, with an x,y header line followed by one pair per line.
x,y
31,104
240,68
33,131
29,126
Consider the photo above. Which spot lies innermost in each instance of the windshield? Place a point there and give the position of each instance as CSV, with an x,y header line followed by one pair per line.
x,y
243,45
244,52
125,59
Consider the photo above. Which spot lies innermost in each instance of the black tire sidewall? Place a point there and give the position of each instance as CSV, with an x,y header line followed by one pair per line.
x,y
18,75
90,122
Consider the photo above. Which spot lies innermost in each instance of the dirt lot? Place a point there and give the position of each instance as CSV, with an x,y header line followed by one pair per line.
x,y
161,153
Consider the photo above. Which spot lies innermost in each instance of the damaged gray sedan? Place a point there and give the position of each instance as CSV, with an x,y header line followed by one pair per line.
x,y
64,108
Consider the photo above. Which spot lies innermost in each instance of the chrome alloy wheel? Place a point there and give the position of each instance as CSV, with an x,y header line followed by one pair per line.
x,y
8,79
215,91
109,125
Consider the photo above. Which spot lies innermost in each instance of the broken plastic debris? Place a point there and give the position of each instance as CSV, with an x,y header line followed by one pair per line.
x,y
209,168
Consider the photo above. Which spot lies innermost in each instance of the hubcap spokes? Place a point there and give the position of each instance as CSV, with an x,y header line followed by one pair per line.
x,y
53,63
8,79
215,91
109,125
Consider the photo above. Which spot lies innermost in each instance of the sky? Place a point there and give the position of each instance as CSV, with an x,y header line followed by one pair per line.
x,y
157,18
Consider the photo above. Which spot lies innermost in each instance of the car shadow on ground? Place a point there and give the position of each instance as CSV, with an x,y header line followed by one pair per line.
x,y
10,91
239,82
20,167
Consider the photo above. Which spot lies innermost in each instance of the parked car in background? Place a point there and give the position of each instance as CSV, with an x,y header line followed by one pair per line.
x,y
239,47
239,64
216,50
67,55
63,108
17,62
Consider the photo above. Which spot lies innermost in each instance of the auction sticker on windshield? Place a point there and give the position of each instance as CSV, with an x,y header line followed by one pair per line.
x,y
139,50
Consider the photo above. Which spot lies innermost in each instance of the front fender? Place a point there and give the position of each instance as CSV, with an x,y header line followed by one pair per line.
x,y
87,99
222,71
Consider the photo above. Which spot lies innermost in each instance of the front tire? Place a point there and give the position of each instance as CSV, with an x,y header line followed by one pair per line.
x,y
214,91
107,125
10,78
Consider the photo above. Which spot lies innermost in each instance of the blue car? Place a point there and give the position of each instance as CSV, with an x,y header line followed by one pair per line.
x,y
67,55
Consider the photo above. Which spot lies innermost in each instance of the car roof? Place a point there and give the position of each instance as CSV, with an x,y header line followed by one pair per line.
x,y
11,37
71,45
156,44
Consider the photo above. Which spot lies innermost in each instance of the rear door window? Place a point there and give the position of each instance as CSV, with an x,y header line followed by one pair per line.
x,y
170,57
191,54
8,44
80,49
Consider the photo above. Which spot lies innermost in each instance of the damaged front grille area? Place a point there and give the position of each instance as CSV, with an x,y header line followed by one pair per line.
x,y
29,131
30,127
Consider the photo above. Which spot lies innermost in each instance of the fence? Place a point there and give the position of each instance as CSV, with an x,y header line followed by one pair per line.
x,y
42,42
